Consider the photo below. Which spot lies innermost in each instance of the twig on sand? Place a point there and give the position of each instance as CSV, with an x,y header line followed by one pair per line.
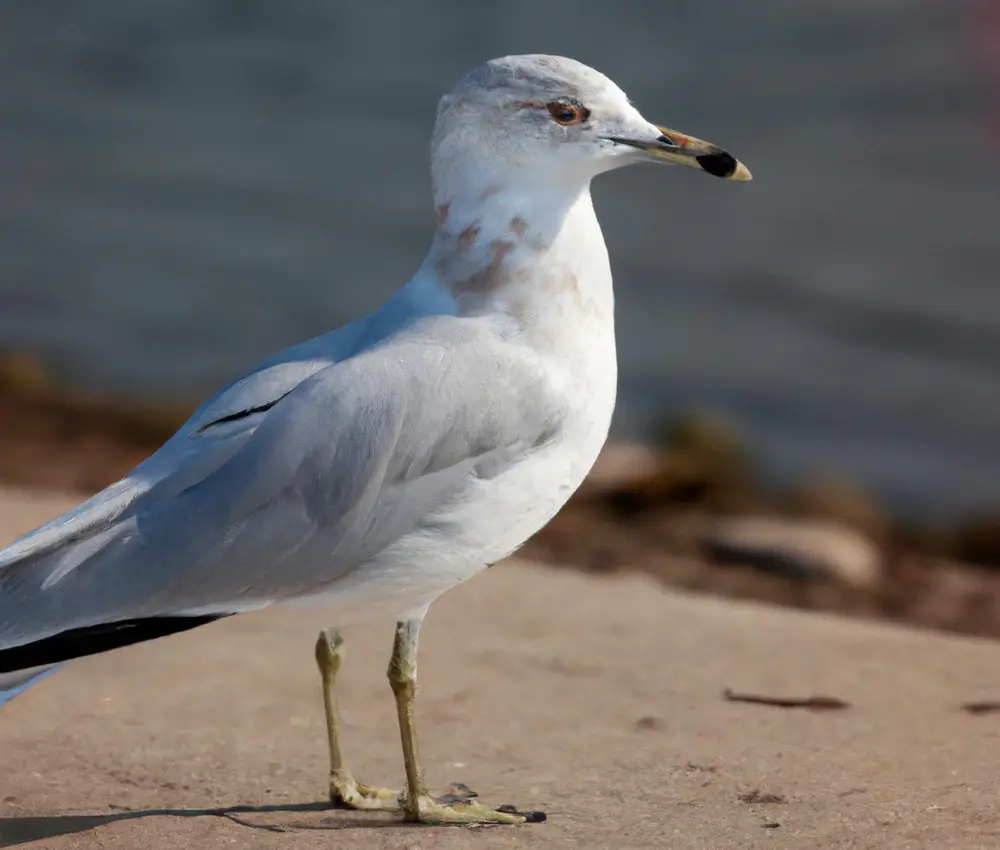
x,y
813,703
986,707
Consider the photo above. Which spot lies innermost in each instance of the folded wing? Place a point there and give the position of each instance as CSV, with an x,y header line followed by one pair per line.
x,y
275,497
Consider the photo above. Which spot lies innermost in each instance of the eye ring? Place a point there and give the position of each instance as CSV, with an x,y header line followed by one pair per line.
x,y
567,114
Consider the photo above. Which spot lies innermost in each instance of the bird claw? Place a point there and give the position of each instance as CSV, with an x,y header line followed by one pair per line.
x,y
458,792
346,793
529,817
431,811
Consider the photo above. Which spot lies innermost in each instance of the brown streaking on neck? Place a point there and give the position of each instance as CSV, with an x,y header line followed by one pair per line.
x,y
441,211
468,236
491,277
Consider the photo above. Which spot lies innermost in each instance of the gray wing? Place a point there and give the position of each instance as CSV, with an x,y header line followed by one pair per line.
x,y
241,509
216,430
223,422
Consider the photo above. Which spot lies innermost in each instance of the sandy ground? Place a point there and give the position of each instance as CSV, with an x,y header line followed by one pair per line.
x,y
597,700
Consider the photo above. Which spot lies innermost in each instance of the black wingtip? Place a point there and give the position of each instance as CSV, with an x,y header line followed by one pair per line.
x,y
91,640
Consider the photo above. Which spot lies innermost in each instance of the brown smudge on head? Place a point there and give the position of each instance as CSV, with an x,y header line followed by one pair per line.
x,y
492,277
468,236
490,191
518,226
531,104
441,211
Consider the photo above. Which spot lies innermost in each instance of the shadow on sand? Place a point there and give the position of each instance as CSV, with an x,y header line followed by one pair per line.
x,y
21,830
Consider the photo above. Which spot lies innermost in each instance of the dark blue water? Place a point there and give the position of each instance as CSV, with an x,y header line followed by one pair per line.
x,y
187,185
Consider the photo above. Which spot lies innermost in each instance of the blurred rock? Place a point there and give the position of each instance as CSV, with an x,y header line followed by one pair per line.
x,y
700,461
587,538
954,596
803,549
931,539
673,481
24,374
977,541
709,438
620,464
831,497
53,436
711,458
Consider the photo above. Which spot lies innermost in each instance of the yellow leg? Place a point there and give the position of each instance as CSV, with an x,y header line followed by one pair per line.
x,y
344,790
418,805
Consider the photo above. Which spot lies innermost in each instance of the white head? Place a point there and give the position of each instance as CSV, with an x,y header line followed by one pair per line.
x,y
515,146
551,119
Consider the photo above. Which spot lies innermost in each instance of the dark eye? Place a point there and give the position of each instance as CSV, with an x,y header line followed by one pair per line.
x,y
567,114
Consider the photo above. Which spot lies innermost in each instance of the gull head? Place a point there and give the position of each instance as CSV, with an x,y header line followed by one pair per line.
x,y
553,120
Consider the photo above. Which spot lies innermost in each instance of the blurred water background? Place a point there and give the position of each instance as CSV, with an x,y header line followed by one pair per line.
x,y
186,186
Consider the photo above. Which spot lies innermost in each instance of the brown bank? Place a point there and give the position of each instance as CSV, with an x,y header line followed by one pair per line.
x,y
599,700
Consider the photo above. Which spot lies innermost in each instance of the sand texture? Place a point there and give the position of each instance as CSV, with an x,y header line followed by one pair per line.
x,y
598,700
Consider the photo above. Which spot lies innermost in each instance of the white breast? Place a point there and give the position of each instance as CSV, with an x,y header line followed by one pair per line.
x,y
569,330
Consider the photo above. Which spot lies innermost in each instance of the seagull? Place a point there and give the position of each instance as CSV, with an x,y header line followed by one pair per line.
x,y
373,468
